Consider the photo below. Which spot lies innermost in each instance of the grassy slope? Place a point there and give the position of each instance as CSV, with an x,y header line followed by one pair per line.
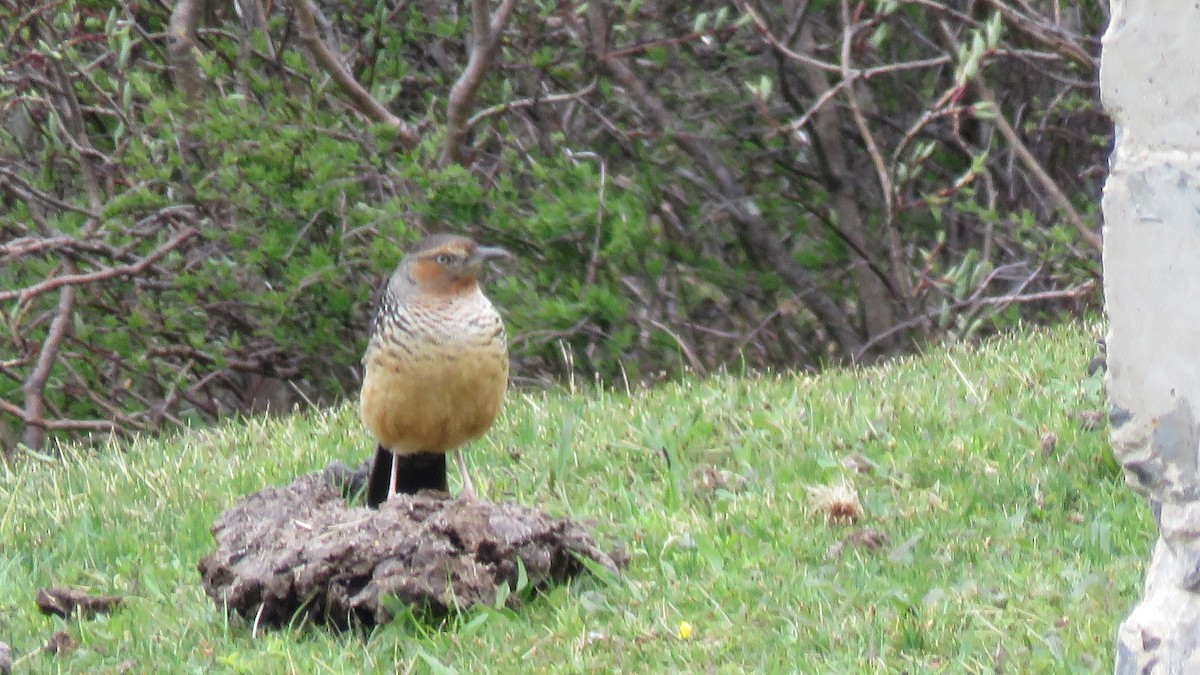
x,y
998,552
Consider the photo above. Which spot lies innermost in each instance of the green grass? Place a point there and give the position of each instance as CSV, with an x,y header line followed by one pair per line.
x,y
999,555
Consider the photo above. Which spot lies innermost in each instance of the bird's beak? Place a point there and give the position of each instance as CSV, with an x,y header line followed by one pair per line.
x,y
486,253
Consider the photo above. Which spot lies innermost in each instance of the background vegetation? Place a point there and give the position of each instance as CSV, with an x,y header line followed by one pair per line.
x,y
997,534
198,199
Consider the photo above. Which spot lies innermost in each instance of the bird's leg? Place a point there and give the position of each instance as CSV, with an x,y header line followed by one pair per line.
x,y
392,482
468,489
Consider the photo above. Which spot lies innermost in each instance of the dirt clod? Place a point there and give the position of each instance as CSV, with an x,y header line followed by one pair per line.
x,y
1049,442
67,601
61,643
709,479
858,463
299,553
865,538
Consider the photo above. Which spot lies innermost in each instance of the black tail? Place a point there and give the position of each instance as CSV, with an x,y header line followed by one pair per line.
x,y
422,471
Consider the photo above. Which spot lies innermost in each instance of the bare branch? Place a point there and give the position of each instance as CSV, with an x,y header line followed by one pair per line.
x,y
485,41
975,300
501,108
1046,34
22,246
254,18
64,245
874,285
60,425
1063,294
693,361
27,293
885,181
362,99
1035,167
899,277
832,92
21,188
778,44
71,117
34,389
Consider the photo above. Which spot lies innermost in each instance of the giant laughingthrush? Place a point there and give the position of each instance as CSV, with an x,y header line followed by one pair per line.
x,y
436,367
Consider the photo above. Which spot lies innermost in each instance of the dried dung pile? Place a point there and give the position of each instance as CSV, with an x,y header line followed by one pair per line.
x,y
300,553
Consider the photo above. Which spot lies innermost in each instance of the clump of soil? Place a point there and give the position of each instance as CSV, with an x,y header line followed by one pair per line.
x,y
300,553
67,601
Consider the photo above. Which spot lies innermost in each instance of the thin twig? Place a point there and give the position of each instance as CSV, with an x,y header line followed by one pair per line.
x,y
894,246
22,189
693,36
807,60
1044,33
29,292
501,108
834,158
1007,299
694,361
594,262
360,98
75,130
1035,167
867,74
1064,294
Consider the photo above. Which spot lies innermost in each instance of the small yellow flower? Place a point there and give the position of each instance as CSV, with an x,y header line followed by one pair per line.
x,y
685,630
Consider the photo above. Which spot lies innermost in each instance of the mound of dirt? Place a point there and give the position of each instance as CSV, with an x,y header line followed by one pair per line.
x,y
300,553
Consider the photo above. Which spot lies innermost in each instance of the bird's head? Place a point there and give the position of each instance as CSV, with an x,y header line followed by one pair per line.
x,y
447,264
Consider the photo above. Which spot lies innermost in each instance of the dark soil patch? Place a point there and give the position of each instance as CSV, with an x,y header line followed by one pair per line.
x,y
300,553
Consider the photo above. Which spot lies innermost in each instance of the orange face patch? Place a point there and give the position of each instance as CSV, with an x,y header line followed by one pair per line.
x,y
428,273
433,277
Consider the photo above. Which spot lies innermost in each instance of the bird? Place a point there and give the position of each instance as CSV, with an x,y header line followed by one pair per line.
x,y
435,370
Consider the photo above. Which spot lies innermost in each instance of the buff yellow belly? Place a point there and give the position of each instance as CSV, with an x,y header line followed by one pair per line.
x,y
433,402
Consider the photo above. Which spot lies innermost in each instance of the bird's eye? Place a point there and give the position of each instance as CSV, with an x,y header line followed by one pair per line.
x,y
443,259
